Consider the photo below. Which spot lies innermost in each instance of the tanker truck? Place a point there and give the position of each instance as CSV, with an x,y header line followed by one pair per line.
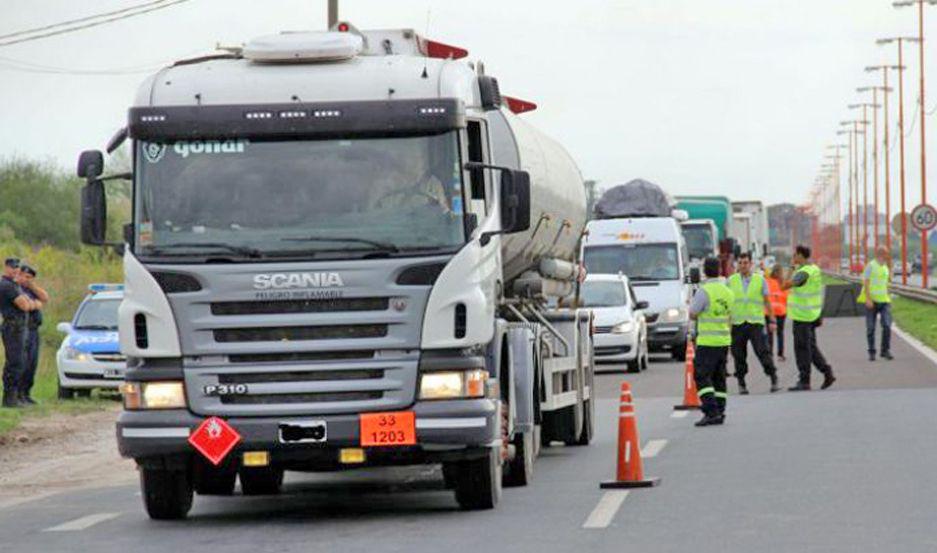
x,y
342,254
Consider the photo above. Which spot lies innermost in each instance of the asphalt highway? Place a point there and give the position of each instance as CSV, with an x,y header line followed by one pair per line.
x,y
843,470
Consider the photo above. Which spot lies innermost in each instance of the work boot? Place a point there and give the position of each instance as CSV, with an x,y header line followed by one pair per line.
x,y
743,389
799,387
872,356
774,384
828,380
709,420
887,355
24,399
10,400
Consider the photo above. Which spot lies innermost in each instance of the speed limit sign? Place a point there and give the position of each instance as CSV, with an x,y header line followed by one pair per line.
x,y
924,217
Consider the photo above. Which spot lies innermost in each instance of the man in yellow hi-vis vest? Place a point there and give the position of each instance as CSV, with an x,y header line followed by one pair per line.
x,y
805,308
877,301
748,322
712,309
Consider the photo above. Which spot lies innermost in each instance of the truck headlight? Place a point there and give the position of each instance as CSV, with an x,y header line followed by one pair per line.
x,y
73,354
453,384
623,328
673,315
153,395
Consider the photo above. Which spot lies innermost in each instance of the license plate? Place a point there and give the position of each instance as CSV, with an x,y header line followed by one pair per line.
x,y
303,432
113,373
388,429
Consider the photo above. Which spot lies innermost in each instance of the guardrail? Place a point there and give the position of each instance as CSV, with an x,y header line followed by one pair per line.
x,y
911,292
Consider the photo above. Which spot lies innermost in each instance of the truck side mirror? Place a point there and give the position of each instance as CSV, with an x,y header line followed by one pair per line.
x,y
641,305
694,275
515,201
93,213
90,164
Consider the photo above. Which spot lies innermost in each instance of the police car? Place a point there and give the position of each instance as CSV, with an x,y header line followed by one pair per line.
x,y
90,355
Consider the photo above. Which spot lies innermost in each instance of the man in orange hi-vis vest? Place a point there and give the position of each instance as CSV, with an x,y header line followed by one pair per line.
x,y
778,298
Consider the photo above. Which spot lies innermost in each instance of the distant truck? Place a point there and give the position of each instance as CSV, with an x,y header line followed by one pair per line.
x,y
342,250
702,239
718,210
757,238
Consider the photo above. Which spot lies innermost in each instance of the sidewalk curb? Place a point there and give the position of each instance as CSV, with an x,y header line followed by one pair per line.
x,y
920,346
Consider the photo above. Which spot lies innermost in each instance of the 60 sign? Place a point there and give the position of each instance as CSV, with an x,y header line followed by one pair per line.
x,y
924,217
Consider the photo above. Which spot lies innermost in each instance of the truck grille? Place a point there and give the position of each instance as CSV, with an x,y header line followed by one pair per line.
x,y
299,356
274,399
331,305
296,376
291,333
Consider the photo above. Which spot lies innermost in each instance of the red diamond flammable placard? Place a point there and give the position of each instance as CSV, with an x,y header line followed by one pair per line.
x,y
214,439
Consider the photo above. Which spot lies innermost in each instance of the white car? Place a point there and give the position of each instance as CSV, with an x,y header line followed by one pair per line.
x,y
620,325
89,356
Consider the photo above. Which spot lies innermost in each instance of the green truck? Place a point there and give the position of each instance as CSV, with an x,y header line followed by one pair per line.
x,y
707,228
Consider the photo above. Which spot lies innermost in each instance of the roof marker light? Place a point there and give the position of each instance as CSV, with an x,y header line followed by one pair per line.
x,y
433,110
258,115
152,118
343,27
517,105
298,114
327,113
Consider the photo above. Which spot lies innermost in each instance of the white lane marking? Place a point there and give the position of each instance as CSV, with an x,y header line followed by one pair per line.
x,y
652,448
82,523
916,344
605,511
679,414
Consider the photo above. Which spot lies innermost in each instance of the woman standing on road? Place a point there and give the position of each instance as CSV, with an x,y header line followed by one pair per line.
x,y
778,298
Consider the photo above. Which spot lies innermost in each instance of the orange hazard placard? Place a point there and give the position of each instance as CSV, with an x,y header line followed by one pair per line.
x,y
388,429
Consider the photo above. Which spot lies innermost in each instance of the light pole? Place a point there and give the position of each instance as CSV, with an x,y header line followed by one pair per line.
x,y
901,135
875,90
865,178
850,225
920,19
886,92
837,214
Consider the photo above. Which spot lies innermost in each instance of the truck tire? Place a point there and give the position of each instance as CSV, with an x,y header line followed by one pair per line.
x,y
478,482
215,481
519,471
261,481
167,494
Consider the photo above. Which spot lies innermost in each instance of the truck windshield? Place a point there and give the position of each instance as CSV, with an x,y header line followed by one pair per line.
x,y
699,240
636,261
599,293
259,198
98,315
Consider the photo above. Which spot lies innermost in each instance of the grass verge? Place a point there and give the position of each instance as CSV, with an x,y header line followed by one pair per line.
x,y
45,392
917,318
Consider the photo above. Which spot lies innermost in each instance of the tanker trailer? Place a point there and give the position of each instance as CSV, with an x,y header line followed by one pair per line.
x,y
342,253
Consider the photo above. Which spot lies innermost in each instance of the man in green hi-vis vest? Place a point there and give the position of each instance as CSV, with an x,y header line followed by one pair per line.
x,y
805,307
877,301
711,308
748,322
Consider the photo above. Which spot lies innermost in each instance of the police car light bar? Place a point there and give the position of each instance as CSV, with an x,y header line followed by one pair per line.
x,y
103,287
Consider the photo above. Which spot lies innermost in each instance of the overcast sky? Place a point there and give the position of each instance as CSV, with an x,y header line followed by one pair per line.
x,y
733,97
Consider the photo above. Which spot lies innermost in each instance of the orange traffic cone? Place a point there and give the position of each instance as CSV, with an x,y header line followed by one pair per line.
x,y
630,473
690,399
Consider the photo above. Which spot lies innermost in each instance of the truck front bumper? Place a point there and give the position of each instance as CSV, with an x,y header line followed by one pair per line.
x,y
667,336
446,430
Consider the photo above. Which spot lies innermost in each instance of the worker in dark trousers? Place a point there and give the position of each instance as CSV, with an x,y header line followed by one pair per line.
x,y
805,308
711,308
14,305
877,301
27,281
752,301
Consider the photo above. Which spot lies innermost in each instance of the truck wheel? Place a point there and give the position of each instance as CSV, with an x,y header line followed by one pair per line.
x,y
167,494
265,481
83,393
64,393
215,481
478,483
519,471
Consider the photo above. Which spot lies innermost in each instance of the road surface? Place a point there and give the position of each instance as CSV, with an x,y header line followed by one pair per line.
x,y
844,470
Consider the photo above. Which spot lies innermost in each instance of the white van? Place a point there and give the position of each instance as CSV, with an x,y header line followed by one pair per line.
x,y
652,253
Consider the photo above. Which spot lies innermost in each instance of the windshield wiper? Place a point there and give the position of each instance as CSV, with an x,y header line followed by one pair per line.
x,y
373,243
243,250
95,327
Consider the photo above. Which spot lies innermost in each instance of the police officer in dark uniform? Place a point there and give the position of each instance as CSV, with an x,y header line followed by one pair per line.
x,y
14,305
31,288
